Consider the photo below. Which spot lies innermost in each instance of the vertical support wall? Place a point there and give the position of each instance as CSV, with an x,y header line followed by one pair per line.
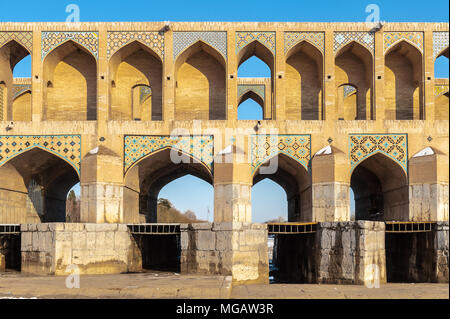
x,y
229,248
350,252
48,249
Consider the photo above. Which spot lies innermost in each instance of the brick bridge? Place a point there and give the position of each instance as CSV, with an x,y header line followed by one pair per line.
x,y
126,108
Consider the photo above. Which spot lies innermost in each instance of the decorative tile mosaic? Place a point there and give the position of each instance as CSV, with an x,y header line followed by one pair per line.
x,y
259,89
440,43
144,93
119,39
264,147
392,38
293,38
184,39
440,89
19,89
394,146
366,39
87,39
66,147
265,38
24,38
349,90
136,147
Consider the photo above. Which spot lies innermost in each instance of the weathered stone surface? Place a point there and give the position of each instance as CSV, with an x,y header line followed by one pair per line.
x,y
95,249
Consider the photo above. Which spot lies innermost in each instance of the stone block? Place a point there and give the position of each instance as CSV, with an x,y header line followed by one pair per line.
x,y
205,240
224,240
201,226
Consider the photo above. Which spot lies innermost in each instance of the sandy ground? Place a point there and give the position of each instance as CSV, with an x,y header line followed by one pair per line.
x,y
172,285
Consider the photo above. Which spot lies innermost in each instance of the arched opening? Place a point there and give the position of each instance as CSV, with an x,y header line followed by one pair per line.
x,y
136,83
250,106
187,199
403,88
304,73
254,67
291,253
15,69
145,182
35,185
22,107
353,64
200,84
72,95
347,101
257,61
380,188
441,74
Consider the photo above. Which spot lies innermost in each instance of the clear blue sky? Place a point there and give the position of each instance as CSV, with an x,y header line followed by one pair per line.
x,y
269,200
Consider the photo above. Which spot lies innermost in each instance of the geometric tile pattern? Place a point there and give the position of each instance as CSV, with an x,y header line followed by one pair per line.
x,y
264,147
394,146
87,39
184,39
317,39
440,42
348,90
259,89
414,38
153,40
200,147
67,147
18,89
366,39
24,38
440,89
144,93
265,38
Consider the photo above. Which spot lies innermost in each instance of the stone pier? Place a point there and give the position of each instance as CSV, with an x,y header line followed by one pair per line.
x,y
228,248
48,249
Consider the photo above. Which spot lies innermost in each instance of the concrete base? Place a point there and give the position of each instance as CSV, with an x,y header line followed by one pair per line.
x,y
48,249
229,248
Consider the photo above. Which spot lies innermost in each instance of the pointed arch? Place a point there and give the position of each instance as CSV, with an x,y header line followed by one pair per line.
x,y
404,82
147,176
296,181
380,186
200,83
132,65
42,179
354,64
21,110
443,52
253,95
256,48
72,70
304,82
11,53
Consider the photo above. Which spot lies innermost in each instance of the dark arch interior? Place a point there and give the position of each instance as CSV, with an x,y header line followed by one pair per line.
x,y
47,179
380,188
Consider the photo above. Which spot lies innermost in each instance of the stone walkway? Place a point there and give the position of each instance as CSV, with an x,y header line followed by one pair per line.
x,y
172,285
136,286
308,291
